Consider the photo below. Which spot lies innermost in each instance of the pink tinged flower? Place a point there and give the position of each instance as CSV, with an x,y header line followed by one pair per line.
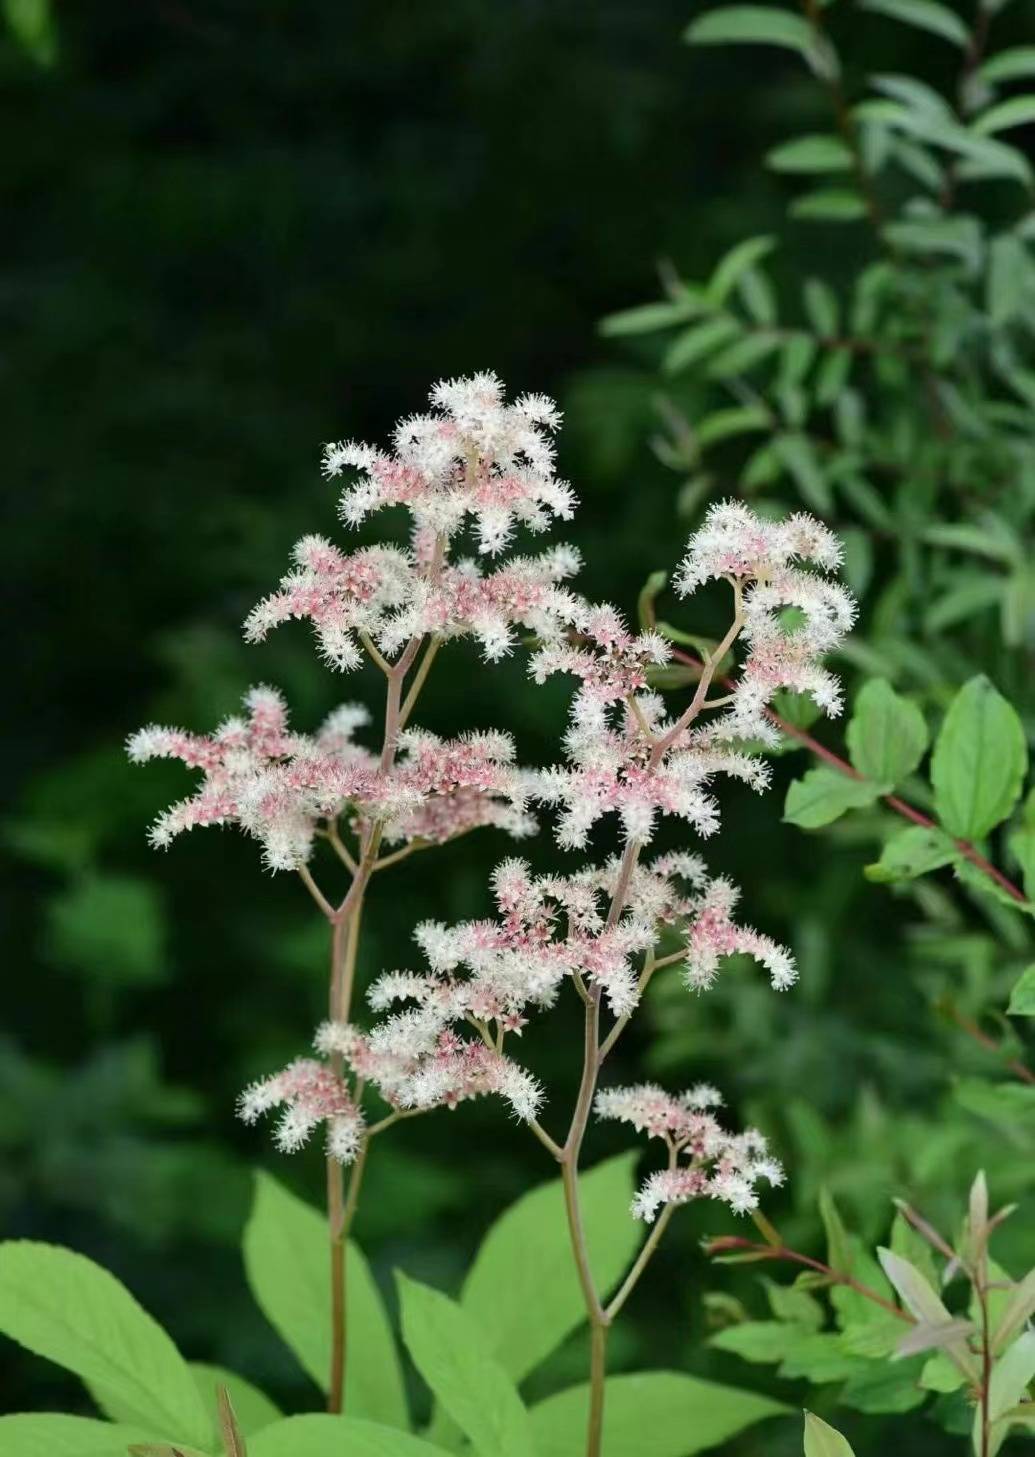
x,y
472,456
309,1094
713,935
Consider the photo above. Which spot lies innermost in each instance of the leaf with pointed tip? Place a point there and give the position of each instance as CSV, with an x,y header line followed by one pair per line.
x,y
319,1435
52,1434
252,1407
979,760
823,1440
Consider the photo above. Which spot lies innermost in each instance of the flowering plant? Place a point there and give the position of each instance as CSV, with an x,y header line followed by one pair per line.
x,y
322,803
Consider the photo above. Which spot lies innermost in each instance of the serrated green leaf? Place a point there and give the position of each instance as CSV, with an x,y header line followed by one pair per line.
x,y
823,795
912,852
449,1350
63,1307
979,761
650,1414
887,736
286,1261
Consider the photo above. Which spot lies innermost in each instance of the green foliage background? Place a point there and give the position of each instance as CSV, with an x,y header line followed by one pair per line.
x,y
232,232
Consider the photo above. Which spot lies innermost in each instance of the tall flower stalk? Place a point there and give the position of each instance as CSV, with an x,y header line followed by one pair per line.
x,y
446,1032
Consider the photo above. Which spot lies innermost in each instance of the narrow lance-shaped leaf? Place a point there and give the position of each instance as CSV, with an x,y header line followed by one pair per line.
x,y
764,25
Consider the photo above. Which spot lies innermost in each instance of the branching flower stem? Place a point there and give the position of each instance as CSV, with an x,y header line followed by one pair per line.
x,y
594,1052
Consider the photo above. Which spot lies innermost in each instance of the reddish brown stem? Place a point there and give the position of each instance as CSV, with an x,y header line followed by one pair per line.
x,y
971,1028
781,1252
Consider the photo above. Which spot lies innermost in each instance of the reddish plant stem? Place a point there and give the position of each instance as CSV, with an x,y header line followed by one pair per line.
x,y
971,1028
907,811
781,1252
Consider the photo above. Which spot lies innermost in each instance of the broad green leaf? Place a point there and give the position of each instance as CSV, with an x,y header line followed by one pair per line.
x,y
1018,111
753,25
287,1261
1009,65
65,1308
736,263
32,24
979,761
823,795
912,852
822,1440
818,1357
252,1407
829,205
449,1351
795,1304
650,1414
528,1248
51,1434
326,1436
925,15
761,1341
884,1386
1022,998
647,318
810,154
887,736
698,341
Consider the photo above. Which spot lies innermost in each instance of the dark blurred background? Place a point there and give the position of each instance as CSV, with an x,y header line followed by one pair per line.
x,y
231,232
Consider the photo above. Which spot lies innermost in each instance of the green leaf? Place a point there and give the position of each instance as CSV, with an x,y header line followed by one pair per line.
x,y
252,1407
797,454
823,795
286,1260
32,25
650,1414
648,318
924,1304
822,1440
699,340
738,420
763,1342
1009,65
1022,998
979,761
734,265
1009,271
109,928
1017,111
51,1434
829,205
449,1351
925,15
795,1304
887,736
821,306
65,1308
528,1249
810,154
911,853
758,25
839,1250
1005,1104
318,1435
1011,1375
743,354
885,1386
